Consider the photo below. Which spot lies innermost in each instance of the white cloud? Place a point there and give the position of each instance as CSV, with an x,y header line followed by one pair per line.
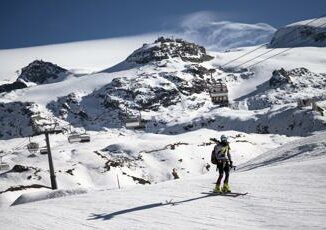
x,y
211,30
197,20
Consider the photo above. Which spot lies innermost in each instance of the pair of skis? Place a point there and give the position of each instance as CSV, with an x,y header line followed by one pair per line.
x,y
211,193
228,194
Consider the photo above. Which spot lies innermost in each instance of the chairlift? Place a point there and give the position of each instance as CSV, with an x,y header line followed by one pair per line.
x,y
44,150
75,137
134,122
32,147
3,165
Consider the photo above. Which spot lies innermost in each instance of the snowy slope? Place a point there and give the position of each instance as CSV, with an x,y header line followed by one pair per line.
x,y
79,57
300,34
312,58
126,154
170,88
285,194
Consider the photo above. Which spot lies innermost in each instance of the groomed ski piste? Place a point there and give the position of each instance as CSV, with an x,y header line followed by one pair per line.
x,y
285,191
122,178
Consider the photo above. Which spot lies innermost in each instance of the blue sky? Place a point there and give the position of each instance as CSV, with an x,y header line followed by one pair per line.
x,y
26,23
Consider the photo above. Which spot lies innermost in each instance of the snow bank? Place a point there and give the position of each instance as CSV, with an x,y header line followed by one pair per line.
x,y
312,147
45,195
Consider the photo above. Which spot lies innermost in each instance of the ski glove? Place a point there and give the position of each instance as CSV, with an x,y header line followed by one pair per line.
x,y
231,164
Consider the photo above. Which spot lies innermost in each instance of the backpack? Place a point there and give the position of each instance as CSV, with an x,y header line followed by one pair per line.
x,y
213,155
213,158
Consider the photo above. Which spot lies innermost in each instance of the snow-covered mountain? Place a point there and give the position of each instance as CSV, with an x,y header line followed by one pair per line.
x,y
300,34
167,81
285,87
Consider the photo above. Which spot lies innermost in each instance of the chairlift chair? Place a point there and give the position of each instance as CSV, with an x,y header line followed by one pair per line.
x,y
73,138
84,137
44,150
3,165
79,137
134,122
32,147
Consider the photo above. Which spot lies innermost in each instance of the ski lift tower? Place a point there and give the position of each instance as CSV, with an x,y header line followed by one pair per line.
x,y
47,132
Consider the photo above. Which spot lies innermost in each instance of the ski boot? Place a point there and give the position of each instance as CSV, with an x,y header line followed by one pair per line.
x,y
226,188
217,189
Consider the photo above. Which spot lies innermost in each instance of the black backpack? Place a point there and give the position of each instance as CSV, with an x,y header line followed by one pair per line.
x,y
213,156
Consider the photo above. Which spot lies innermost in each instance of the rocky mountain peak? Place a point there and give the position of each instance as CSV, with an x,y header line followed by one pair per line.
x,y
41,72
279,77
165,48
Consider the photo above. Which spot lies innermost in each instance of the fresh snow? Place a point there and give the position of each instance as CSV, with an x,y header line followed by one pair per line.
x,y
279,155
79,57
282,194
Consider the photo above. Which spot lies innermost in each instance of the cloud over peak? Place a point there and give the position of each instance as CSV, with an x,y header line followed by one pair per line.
x,y
211,30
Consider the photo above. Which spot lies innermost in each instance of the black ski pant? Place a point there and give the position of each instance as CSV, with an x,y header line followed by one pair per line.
x,y
223,167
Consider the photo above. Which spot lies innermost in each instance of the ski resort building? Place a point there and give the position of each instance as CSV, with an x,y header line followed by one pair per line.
x,y
219,93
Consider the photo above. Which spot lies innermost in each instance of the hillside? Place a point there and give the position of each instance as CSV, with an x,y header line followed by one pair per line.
x,y
301,34
274,200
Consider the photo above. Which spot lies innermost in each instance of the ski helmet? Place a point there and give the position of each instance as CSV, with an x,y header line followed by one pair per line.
x,y
223,138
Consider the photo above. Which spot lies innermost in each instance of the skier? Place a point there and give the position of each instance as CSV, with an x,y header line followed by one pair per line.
x,y
224,162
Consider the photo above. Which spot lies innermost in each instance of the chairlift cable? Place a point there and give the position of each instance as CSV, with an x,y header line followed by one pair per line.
x,y
259,47
245,54
274,48
280,52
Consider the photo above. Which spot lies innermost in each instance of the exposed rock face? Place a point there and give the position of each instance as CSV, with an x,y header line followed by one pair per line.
x,y
186,87
141,92
21,119
41,72
198,70
38,72
153,88
286,87
126,96
15,120
280,77
6,88
165,48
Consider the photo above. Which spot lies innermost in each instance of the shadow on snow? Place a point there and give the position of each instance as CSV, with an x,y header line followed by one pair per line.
x,y
109,216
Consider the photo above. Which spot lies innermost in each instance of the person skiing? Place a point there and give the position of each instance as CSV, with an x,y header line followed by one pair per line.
x,y
223,162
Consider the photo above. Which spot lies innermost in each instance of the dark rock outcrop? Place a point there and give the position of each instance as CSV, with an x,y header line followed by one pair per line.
x,y
41,72
165,48
6,88
279,77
